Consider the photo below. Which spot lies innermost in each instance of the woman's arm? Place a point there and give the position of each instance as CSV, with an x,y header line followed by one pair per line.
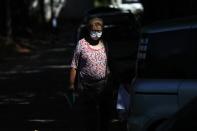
x,y
72,78
74,65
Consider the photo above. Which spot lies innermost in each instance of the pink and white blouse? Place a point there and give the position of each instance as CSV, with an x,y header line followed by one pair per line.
x,y
90,62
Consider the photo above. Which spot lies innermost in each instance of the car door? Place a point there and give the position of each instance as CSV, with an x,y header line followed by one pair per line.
x,y
188,89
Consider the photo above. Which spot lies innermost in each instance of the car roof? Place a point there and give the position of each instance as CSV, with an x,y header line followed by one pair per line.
x,y
171,25
105,12
106,9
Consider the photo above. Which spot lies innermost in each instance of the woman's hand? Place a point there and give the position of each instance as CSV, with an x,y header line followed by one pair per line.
x,y
71,88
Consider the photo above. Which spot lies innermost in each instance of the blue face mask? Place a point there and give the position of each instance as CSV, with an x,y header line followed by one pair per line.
x,y
95,35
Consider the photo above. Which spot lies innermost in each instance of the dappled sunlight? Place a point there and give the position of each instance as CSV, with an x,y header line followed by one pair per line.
x,y
135,6
51,8
34,4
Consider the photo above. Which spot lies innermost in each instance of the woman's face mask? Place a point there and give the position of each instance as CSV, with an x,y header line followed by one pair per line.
x,y
95,35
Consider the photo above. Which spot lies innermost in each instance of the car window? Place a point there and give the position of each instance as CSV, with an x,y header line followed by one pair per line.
x,y
194,46
169,54
118,19
118,32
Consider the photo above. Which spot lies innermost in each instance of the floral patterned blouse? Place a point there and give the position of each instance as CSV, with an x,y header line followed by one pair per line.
x,y
90,62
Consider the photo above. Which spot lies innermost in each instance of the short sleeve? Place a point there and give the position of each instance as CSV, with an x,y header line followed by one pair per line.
x,y
76,54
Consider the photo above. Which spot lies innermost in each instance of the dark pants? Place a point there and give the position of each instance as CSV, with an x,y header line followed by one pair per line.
x,y
92,109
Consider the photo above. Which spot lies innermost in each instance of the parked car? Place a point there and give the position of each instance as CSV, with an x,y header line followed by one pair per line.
x,y
166,72
121,32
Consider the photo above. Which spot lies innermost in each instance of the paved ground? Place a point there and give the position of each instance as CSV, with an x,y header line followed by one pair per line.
x,y
33,83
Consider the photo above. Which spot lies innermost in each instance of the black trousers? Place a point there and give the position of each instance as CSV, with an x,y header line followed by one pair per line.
x,y
93,109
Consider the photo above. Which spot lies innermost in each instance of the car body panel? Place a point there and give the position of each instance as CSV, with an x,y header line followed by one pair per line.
x,y
187,91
